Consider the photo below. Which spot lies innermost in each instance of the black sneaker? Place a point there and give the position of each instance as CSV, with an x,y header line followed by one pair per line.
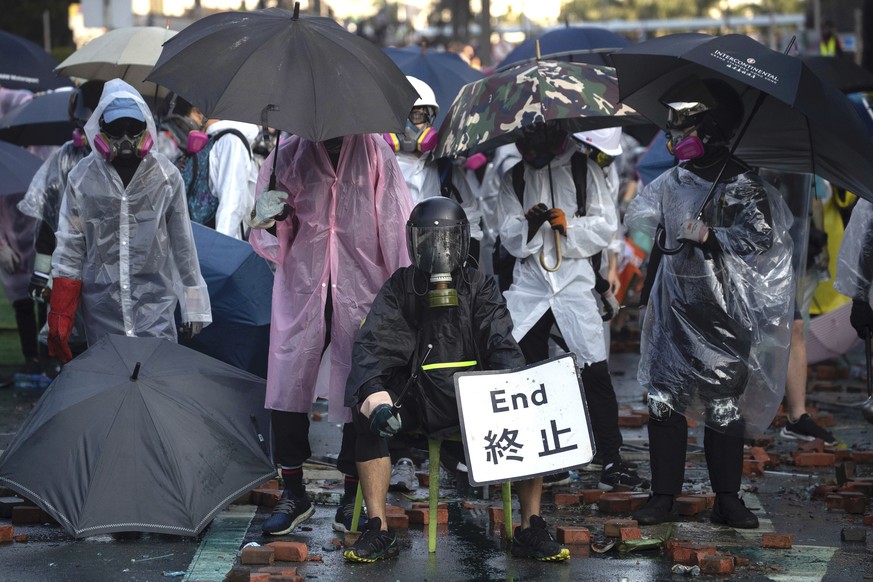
x,y
618,474
657,509
288,514
556,479
806,429
536,542
730,510
342,521
374,544
595,466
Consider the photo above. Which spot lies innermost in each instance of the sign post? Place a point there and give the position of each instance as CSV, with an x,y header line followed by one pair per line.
x,y
525,422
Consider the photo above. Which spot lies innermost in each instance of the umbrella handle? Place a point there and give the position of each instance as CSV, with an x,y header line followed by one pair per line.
x,y
661,241
558,258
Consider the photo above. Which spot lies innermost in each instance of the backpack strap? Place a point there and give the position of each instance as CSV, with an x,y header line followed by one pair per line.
x,y
447,187
579,169
518,182
215,137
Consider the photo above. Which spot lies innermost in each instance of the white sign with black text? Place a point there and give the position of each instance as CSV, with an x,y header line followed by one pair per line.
x,y
524,422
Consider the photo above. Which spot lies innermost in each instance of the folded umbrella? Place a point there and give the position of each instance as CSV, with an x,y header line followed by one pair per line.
x,y
176,431
44,120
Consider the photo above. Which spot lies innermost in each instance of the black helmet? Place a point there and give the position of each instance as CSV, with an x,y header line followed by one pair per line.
x,y
711,104
438,235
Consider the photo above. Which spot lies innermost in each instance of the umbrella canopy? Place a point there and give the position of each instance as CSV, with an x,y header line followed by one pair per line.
x,y
240,285
492,111
25,65
170,428
305,75
44,120
575,44
17,166
803,125
126,53
840,72
445,72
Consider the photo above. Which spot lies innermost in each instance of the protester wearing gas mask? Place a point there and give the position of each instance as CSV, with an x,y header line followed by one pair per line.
x,y
430,320
719,296
333,221
557,213
425,175
124,240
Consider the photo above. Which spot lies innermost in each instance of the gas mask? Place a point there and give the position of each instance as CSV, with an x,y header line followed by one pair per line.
x,y
685,145
540,143
438,240
195,141
123,137
415,139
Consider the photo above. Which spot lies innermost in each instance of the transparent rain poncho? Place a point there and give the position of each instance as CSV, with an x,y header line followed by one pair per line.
x,y
43,198
855,259
716,330
132,248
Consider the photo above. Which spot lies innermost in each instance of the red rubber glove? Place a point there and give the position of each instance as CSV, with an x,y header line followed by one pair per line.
x,y
558,220
64,302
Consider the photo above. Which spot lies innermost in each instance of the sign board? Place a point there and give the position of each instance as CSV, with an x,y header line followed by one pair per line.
x,y
524,422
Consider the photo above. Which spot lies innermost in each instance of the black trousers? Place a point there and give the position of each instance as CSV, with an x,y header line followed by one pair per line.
x,y
667,445
597,384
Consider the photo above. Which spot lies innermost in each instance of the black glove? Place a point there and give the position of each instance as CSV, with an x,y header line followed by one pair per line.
x,y
383,422
38,287
861,318
536,216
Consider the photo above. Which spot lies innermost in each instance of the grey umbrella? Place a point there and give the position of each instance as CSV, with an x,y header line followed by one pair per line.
x,y
44,120
140,434
17,166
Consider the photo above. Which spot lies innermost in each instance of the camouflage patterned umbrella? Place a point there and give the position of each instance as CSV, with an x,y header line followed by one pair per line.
x,y
491,112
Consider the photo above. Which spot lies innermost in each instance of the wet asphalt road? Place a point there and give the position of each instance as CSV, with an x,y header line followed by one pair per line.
x,y
470,548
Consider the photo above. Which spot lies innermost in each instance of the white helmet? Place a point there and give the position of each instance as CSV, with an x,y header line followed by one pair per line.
x,y
606,140
426,97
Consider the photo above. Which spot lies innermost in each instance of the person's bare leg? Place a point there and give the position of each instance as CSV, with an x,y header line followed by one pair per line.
x,y
795,381
374,476
529,494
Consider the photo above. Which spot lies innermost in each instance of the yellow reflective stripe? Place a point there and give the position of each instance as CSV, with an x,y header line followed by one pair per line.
x,y
442,365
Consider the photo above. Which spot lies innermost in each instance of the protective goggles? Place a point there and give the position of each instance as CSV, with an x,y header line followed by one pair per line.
x,y
420,115
124,127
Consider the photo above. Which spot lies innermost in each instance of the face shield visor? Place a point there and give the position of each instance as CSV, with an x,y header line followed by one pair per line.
x,y
438,250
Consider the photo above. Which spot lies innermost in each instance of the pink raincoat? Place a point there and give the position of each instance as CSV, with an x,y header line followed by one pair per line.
x,y
347,229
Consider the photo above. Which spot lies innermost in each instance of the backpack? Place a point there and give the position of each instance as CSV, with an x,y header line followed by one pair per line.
x,y
502,259
202,203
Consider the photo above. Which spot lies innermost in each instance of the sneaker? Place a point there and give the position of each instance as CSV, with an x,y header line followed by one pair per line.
x,y
806,429
288,514
657,509
556,479
618,474
730,510
374,544
595,466
536,542
403,476
342,521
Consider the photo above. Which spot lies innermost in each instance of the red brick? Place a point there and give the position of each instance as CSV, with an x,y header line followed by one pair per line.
x,y
426,505
566,499
688,553
573,535
825,372
254,555
708,498
824,419
579,550
826,387
834,501
630,533
777,540
752,467
281,578
267,497
614,503
843,455
855,505
423,478
495,514
628,419
289,551
814,460
740,561
864,487
868,520
394,510
759,454
397,520
716,564
422,516
278,570
590,496
822,491
259,577
688,506
316,416
638,500
863,457
320,559
7,532
612,528
26,514
20,538
813,446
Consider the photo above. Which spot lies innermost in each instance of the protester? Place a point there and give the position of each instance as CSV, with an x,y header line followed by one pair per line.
x,y
556,206
432,319
830,45
333,225
124,240
855,267
716,325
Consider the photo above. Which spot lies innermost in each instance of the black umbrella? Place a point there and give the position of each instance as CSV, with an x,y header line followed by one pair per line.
x,y
140,434
25,65
313,77
574,44
17,166
44,120
840,72
802,124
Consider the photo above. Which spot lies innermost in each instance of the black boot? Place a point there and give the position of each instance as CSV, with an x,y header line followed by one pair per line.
x,y
730,510
656,510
